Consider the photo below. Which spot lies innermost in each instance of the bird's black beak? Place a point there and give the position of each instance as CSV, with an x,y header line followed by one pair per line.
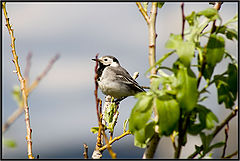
x,y
95,59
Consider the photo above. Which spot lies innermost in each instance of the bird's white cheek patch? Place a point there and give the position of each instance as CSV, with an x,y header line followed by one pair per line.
x,y
114,64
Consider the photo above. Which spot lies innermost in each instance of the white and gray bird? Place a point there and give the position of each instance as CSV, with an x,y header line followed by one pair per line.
x,y
114,80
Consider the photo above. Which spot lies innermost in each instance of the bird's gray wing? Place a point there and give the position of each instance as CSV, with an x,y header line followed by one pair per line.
x,y
125,77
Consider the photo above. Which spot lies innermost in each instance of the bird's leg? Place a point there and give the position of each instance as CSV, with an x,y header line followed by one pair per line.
x,y
117,101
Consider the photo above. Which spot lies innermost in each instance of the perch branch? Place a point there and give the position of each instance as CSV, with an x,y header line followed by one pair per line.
x,y
22,84
115,139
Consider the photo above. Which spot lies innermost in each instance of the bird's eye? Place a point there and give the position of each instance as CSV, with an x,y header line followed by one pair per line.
x,y
105,59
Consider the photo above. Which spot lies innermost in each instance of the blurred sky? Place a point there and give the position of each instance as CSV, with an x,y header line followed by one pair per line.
x,y
62,107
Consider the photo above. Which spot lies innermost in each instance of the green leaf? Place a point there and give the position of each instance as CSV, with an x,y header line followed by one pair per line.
x,y
232,79
227,86
160,4
168,112
210,13
94,130
210,148
187,93
233,20
141,137
215,50
206,117
17,95
231,34
141,113
191,18
210,118
9,143
206,140
184,49
155,83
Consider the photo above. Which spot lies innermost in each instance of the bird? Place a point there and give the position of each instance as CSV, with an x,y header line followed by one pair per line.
x,y
114,80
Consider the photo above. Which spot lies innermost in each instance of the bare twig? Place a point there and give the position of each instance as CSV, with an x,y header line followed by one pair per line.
x,y
183,20
109,148
217,6
226,139
231,155
217,130
85,153
39,78
22,84
115,139
143,12
20,109
12,118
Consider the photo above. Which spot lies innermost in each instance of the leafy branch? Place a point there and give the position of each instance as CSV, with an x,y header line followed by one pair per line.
x,y
215,132
175,99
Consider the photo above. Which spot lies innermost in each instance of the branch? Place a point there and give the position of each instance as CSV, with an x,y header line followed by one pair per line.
x,y
12,118
231,155
183,20
217,130
217,6
20,109
152,144
85,153
151,147
143,12
39,78
226,139
22,84
115,139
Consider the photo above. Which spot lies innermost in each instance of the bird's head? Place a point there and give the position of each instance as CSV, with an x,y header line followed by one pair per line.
x,y
108,61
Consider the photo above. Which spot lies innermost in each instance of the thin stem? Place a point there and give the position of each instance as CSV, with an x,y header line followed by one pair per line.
x,y
20,109
226,139
22,84
12,118
85,153
115,139
231,155
39,78
143,12
183,19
